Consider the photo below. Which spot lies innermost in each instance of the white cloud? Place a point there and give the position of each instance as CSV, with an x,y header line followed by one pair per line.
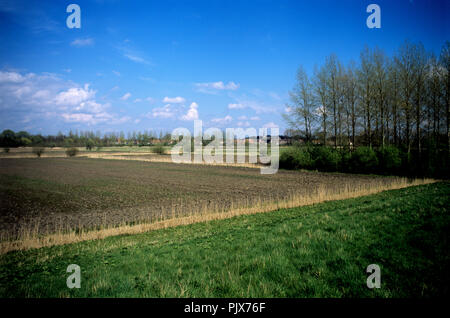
x,y
126,96
223,120
192,113
251,104
13,77
147,79
42,94
137,100
132,54
244,118
47,96
320,110
243,124
174,100
236,106
86,118
116,73
136,59
270,125
274,95
92,119
162,112
212,87
74,96
92,107
82,42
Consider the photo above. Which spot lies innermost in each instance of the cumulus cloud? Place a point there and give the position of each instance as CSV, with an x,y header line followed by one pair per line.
x,y
45,96
192,113
13,77
74,96
174,100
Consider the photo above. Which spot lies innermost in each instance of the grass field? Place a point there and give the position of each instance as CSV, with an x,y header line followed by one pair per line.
x,y
313,251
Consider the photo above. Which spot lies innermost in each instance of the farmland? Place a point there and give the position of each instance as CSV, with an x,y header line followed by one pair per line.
x,y
312,251
47,195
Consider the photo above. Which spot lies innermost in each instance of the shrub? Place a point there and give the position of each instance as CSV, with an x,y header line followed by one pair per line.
x,y
38,151
5,150
159,149
71,152
389,159
287,159
296,158
25,141
346,161
326,158
90,144
364,160
407,163
304,160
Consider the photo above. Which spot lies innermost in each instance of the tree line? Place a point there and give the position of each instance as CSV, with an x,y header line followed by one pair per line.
x,y
378,101
88,139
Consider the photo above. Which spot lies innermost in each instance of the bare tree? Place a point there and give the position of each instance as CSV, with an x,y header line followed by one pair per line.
x,y
332,66
420,65
380,90
320,87
405,64
445,62
394,100
301,111
350,93
434,90
366,90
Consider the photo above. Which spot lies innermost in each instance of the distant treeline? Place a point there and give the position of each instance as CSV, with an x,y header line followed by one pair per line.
x,y
88,139
379,101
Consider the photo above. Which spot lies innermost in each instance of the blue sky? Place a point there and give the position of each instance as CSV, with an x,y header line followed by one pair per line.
x,y
143,65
